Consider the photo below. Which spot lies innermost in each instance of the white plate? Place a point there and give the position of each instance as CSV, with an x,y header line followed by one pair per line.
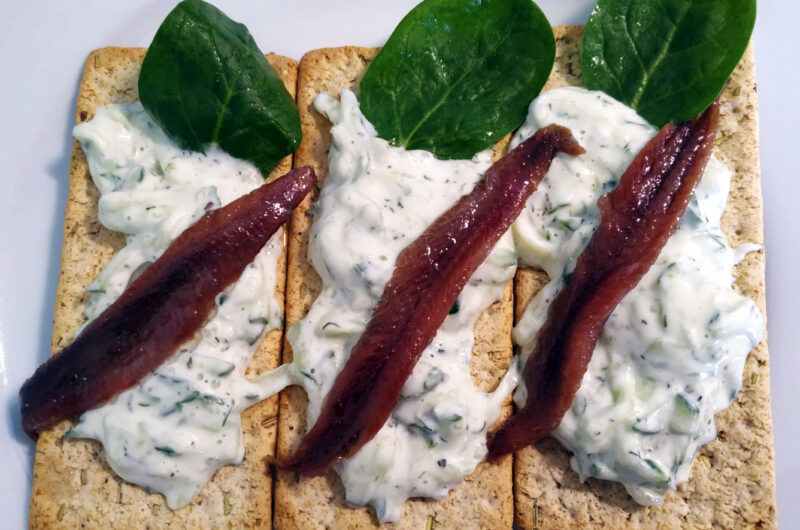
x,y
43,48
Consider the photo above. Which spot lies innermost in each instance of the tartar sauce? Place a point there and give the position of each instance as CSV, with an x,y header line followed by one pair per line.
x,y
179,425
376,200
672,353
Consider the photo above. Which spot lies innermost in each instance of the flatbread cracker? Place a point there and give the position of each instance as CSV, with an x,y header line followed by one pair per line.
x,y
732,483
484,499
73,487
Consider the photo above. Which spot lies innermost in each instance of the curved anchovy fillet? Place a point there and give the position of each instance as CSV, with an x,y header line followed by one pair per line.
x,y
637,219
428,277
162,308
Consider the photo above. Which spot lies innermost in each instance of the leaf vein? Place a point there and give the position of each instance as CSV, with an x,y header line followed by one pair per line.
x,y
230,90
441,101
648,74
629,36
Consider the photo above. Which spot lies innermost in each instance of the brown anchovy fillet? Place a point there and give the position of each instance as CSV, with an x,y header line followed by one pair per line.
x,y
160,310
428,277
637,218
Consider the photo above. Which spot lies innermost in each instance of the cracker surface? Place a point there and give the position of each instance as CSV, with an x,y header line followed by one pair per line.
x,y
73,487
732,483
484,499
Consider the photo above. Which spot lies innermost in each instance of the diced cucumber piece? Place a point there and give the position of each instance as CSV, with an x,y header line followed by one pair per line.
x,y
435,376
685,415
659,476
645,386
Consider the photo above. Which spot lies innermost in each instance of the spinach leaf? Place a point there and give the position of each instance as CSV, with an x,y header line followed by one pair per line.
x,y
668,59
205,81
456,75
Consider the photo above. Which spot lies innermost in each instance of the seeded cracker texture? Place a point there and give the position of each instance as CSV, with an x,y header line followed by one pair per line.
x,y
732,484
73,487
484,499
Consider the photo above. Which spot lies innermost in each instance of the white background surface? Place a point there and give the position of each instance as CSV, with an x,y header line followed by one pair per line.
x,y
42,49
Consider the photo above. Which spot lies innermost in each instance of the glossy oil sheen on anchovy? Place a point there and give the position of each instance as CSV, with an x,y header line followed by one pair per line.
x,y
637,219
162,308
429,275
662,367
376,200
172,431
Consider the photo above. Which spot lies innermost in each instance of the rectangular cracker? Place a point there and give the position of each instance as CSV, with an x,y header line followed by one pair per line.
x,y
484,499
73,487
732,483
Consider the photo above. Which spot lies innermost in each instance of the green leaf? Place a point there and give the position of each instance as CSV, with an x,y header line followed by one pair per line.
x,y
667,59
169,451
204,81
455,308
456,75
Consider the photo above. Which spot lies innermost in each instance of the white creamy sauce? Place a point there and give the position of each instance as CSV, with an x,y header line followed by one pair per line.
x,y
671,354
673,351
376,200
179,425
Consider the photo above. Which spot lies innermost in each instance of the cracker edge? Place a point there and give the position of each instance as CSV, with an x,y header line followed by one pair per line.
x,y
74,470
733,479
319,502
